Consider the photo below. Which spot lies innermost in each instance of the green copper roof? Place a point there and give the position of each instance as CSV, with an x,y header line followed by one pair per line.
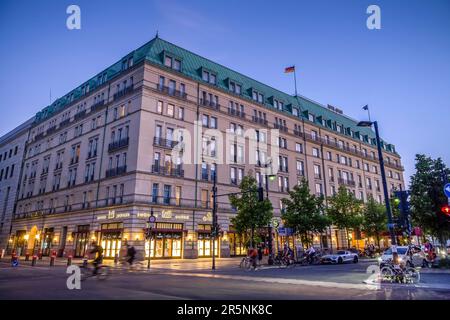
x,y
192,66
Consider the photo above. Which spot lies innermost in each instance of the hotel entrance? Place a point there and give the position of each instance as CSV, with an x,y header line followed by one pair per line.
x,y
166,241
111,239
205,241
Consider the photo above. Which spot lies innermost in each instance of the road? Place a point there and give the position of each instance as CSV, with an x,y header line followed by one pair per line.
x,y
194,280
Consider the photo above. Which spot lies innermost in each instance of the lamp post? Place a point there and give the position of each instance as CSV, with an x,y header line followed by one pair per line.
x,y
151,224
383,178
269,227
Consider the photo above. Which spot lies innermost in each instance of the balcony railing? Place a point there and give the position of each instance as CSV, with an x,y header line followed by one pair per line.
x,y
345,182
123,92
280,127
165,143
301,173
115,171
210,104
116,145
97,105
260,120
80,115
51,130
171,92
176,171
236,113
64,123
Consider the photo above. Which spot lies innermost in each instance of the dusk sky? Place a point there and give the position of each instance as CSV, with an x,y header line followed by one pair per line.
x,y
401,71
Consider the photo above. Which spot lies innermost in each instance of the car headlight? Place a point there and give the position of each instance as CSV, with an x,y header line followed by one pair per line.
x,y
379,259
400,259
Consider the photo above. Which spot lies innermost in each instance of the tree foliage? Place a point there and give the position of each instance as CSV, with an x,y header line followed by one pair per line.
x,y
304,212
251,213
374,219
427,196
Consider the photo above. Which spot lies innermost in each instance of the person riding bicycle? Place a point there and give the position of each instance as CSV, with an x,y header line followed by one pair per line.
x,y
253,255
310,253
131,254
98,251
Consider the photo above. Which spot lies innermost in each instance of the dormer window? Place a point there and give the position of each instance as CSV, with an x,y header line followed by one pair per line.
x,y
278,104
311,117
235,87
339,128
258,97
295,111
172,63
209,77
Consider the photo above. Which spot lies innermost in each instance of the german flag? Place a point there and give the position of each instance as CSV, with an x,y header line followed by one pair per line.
x,y
289,69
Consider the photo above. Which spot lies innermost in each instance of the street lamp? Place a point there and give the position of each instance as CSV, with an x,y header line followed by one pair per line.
x,y
383,178
151,225
270,177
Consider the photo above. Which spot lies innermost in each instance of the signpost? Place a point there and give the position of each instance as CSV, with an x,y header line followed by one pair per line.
x,y
447,190
151,224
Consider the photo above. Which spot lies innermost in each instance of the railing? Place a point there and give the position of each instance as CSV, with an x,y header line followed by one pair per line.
x,y
80,115
115,171
64,123
116,145
51,130
317,176
39,136
345,182
299,133
74,160
283,169
260,120
168,171
171,92
280,127
161,142
236,113
97,105
210,104
301,173
123,92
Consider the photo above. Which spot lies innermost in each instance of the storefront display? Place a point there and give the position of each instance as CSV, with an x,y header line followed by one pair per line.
x,y
166,241
205,241
111,239
81,240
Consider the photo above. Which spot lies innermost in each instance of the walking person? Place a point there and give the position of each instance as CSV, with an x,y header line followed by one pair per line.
x,y
131,254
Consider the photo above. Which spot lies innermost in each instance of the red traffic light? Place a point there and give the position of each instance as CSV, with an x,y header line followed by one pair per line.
x,y
446,210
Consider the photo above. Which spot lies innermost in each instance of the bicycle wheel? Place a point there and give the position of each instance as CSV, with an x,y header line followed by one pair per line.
x,y
102,273
412,275
386,274
85,272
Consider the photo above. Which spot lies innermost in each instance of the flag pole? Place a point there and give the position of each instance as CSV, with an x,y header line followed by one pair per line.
x,y
295,80
368,111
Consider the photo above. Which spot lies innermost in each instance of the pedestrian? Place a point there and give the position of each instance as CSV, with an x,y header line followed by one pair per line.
x,y
260,253
131,254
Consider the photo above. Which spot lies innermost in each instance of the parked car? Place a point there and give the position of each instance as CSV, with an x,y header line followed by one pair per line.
x,y
340,256
411,256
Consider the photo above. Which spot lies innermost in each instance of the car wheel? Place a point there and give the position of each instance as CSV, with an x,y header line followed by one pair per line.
x,y
355,259
340,261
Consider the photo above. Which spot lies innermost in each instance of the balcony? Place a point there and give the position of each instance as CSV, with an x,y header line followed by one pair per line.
x,y
115,171
168,170
171,92
280,127
51,130
299,133
346,182
64,123
236,113
317,176
283,169
116,145
260,121
74,160
97,105
39,136
80,115
164,143
210,104
123,92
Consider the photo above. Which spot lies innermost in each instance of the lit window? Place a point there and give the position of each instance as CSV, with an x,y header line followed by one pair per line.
x,y
170,110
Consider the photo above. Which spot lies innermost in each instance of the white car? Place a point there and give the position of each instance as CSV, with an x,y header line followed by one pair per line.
x,y
340,256
411,256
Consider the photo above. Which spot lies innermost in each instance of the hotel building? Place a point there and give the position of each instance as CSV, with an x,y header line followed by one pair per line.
x,y
99,159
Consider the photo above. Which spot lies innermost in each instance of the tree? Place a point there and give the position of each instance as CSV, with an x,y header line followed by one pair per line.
x,y
374,219
344,211
427,196
251,213
304,212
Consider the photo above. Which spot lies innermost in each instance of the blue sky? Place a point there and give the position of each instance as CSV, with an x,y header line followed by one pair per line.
x,y
402,71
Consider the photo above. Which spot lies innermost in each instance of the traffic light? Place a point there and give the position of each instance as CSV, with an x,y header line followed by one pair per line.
x,y
401,200
445,209
260,194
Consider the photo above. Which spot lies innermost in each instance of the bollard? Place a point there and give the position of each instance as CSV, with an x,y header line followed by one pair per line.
x,y
52,261
69,260
27,256
33,260
85,262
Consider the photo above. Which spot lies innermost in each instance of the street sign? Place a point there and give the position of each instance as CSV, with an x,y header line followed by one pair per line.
x,y
15,262
152,219
447,190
